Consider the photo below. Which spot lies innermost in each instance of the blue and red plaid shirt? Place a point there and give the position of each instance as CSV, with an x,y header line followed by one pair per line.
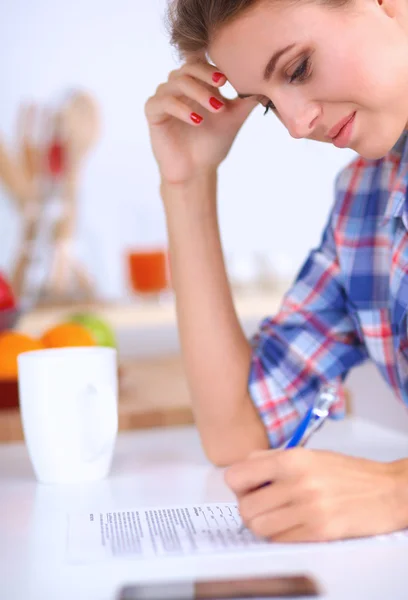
x,y
348,303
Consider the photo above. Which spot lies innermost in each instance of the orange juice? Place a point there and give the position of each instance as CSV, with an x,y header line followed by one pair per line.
x,y
148,271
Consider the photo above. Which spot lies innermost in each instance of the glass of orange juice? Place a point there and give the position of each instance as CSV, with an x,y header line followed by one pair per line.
x,y
149,272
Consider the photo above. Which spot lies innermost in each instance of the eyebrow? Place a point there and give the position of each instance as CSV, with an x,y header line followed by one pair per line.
x,y
271,66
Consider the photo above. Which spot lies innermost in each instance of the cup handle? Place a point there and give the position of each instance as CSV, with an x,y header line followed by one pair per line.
x,y
98,420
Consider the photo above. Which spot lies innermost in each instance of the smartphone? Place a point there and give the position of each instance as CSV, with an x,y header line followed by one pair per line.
x,y
259,588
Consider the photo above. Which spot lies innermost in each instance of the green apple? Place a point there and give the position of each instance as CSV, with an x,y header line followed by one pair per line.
x,y
98,327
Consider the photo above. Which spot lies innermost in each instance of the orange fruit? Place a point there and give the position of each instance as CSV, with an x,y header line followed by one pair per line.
x,y
13,343
67,334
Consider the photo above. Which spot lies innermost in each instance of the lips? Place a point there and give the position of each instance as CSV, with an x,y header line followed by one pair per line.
x,y
337,128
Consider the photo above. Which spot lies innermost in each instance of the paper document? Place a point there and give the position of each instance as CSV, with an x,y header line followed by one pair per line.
x,y
163,531
158,531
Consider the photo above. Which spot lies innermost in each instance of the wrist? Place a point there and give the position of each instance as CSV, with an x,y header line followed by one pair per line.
x,y
208,174
196,196
200,182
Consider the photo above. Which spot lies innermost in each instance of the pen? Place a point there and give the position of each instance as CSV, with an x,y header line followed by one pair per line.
x,y
314,418
297,437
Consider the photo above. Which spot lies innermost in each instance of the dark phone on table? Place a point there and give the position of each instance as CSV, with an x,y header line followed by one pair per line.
x,y
256,588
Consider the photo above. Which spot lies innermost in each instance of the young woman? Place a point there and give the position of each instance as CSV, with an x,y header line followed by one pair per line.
x,y
335,71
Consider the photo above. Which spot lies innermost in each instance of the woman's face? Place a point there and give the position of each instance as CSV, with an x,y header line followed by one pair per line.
x,y
341,65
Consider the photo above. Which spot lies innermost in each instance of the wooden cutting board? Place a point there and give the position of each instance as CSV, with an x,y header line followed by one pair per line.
x,y
152,393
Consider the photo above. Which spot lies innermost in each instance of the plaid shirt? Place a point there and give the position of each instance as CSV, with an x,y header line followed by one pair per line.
x,y
348,303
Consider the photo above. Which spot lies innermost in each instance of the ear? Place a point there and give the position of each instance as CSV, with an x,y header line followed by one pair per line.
x,y
389,7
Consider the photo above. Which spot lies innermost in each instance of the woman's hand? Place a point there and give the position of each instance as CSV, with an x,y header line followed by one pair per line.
x,y
319,496
186,147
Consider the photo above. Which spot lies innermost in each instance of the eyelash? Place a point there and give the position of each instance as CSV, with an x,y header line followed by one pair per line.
x,y
301,73
268,107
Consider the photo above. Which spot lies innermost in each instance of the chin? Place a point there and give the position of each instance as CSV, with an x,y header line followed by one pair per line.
x,y
377,145
372,152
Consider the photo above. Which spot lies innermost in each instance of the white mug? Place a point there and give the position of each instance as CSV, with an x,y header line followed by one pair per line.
x,y
69,411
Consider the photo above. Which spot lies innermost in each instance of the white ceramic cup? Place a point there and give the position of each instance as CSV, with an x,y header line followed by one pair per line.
x,y
68,402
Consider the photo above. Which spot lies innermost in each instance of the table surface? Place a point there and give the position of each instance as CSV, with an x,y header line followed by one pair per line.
x,y
167,466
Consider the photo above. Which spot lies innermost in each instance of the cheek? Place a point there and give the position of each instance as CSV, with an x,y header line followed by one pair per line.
x,y
353,82
373,75
336,81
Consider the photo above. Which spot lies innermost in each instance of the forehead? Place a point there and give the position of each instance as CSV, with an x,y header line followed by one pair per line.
x,y
242,48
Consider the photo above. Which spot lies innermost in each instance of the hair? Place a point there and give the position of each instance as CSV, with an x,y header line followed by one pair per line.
x,y
194,23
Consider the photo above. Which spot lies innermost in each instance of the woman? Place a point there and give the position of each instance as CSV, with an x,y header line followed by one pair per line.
x,y
336,72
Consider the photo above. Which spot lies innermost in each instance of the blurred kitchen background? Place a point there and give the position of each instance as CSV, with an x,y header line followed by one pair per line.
x,y
275,192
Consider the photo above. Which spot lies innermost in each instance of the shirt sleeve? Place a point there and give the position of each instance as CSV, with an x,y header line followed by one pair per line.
x,y
311,341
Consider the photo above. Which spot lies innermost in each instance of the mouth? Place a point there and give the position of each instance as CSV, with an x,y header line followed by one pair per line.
x,y
340,134
334,131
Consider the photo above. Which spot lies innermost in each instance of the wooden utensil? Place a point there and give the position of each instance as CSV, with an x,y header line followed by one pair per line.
x,y
78,123
27,131
30,128
14,179
44,177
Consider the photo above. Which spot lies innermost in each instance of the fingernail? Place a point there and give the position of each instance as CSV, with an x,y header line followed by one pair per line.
x,y
196,118
217,76
215,103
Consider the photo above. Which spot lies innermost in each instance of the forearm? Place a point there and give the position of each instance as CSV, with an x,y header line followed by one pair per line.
x,y
399,471
215,350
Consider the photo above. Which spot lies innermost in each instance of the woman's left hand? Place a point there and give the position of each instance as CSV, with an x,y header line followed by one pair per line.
x,y
319,496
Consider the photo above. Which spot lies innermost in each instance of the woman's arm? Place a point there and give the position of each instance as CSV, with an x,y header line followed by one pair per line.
x,y
192,127
216,353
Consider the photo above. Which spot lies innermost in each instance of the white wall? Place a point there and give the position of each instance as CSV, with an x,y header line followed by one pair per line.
x,y
275,191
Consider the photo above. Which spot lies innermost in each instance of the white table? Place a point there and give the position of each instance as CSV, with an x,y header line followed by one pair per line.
x,y
168,467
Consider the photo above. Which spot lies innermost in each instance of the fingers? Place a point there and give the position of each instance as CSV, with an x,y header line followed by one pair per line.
x,y
278,523
306,533
185,85
292,536
269,498
196,82
283,518
279,512
161,108
249,475
270,466
202,71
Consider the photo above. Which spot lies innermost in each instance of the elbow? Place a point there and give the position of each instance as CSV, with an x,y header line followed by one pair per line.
x,y
221,459
232,437
228,452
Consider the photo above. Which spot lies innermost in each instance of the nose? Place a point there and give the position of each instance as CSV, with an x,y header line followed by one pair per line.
x,y
300,119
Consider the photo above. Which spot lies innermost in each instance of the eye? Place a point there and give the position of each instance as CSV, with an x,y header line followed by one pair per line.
x,y
302,72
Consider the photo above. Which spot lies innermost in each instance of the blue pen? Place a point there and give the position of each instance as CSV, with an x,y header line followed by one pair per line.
x,y
314,418
301,429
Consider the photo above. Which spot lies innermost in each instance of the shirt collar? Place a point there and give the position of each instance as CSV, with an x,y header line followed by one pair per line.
x,y
396,206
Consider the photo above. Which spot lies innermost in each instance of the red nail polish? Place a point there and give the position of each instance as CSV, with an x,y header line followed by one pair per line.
x,y
196,118
217,76
215,103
